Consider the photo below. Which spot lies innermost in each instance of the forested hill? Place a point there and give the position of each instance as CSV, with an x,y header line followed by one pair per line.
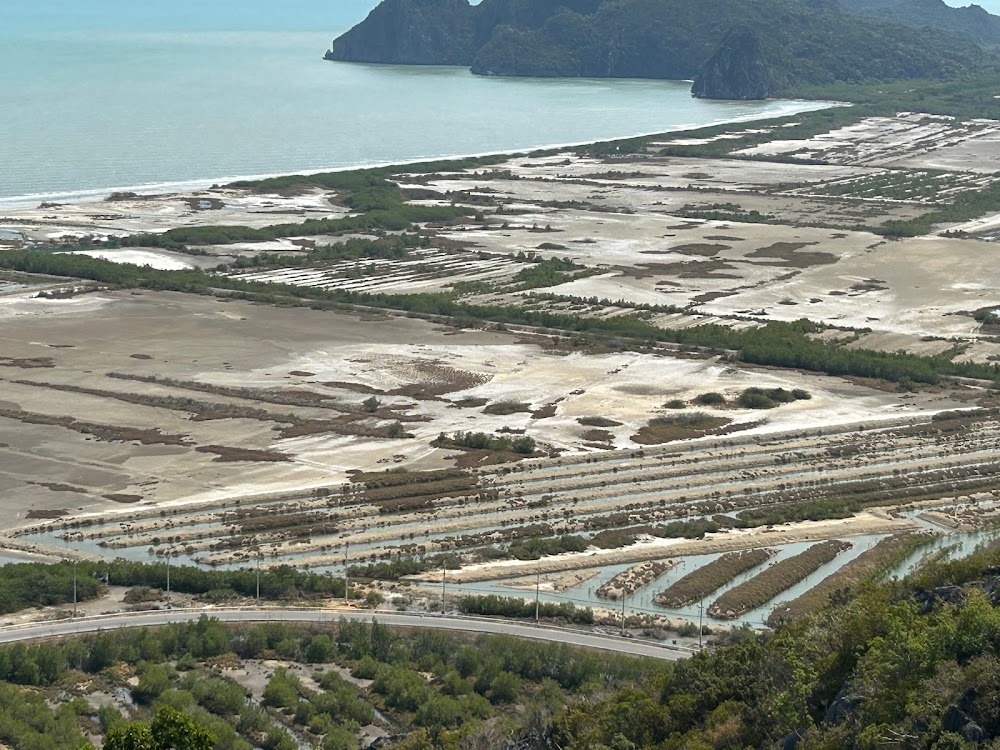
x,y
971,22
734,49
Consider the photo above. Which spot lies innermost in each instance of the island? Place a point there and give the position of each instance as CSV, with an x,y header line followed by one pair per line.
x,y
731,49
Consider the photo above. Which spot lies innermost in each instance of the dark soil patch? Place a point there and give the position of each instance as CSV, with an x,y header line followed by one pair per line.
x,y
355,387
123,499
57,487
504,408
139,356
302,374
30,363
788,253
225,453
202,411
45,515
288,397
418,391
547,411
106,433
680,427
305,427
724,238
439,380
702,250
700,269
469,403
701,299
598,422
869,285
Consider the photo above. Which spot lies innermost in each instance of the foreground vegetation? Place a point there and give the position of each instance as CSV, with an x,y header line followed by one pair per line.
x,y
25,585
917,659
428,690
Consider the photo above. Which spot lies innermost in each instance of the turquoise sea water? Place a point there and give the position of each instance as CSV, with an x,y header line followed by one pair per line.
x,y
99,101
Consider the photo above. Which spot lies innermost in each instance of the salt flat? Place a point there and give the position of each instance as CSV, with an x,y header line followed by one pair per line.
x,y
133,422
78,343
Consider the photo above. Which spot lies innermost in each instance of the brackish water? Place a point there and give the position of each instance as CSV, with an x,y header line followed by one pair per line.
x,y
89,111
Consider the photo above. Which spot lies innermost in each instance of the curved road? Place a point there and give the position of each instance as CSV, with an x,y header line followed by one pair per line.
x,y
62,628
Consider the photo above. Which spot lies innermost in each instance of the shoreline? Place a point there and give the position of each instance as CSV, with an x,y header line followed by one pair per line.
x,y
97,194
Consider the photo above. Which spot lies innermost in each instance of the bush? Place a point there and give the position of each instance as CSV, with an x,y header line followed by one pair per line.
x,y
759,398
755,398
710,399
142,594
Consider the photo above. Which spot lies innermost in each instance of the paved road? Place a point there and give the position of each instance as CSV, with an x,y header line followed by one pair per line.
x,y
62,628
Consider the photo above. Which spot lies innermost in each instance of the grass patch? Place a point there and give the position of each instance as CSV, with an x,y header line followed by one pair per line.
x,y
679,427
771,398
781,576
106,433
709,578
710,399
868,565
505,408
598,422
229,454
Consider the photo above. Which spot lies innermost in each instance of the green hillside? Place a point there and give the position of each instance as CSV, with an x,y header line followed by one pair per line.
x,y
734,49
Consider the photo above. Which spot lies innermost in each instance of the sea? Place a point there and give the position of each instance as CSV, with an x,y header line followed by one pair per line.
x,y
109,95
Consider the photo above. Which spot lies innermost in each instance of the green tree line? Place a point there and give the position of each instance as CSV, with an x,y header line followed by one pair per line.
x,y
777,344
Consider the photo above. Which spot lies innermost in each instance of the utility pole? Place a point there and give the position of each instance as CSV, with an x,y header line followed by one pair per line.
x,y
347,546
538,583
74,589
623,613
444,584
168,579
258,576
701,613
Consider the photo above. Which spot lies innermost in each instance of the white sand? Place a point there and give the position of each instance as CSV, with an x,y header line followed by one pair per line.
x,y
159,261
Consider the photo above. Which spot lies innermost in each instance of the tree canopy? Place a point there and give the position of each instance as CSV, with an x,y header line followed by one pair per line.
x,y
168,730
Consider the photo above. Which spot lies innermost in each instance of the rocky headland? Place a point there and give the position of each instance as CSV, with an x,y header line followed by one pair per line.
x,y
731,49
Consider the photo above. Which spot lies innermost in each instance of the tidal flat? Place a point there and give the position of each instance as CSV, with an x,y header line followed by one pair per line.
x,y
138,423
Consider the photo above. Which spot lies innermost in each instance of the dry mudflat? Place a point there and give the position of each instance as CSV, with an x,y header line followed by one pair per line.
x,y
152,448
167,410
